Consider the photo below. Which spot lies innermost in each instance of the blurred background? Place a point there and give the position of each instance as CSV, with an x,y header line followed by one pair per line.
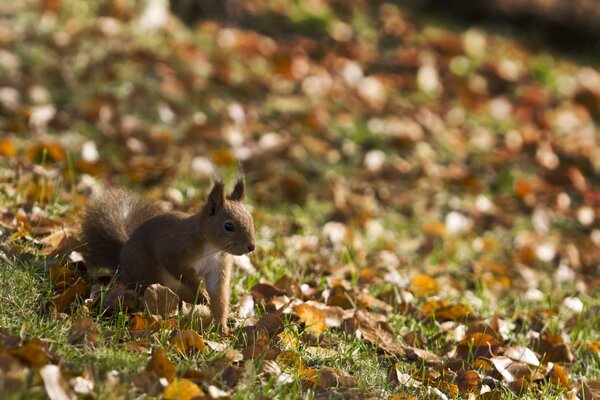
x,y
380,124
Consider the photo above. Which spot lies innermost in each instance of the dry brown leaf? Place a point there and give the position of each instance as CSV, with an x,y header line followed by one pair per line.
x,y
312,318
85,330
366,300
375,331
13,372
422,356
59,242
144,324
33,352
402,379
337,378
160,365
182,389
553,348
195,315
160,300
264,292
477,345
340,297
186,342
60,302
140,345
271,323
119,298
590,389
422,285
468,381
61,277
289,285
48,152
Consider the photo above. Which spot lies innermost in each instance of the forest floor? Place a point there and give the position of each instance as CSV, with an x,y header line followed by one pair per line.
x,y
425,198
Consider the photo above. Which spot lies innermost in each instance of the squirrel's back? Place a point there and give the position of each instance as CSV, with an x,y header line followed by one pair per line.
x,y
108,222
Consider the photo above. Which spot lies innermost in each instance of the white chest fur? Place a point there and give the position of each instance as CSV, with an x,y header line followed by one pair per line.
x,y
207,266
209,261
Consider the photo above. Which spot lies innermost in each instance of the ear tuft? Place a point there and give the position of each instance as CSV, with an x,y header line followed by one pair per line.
x,y
216,197
239,190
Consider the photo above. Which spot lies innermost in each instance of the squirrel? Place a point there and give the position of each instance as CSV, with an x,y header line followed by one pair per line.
x,y
146,245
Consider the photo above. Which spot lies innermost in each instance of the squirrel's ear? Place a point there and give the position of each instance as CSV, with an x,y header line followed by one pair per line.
x,y
239,190
216,198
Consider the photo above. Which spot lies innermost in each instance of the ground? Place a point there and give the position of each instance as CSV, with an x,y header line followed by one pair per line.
x,y
424,193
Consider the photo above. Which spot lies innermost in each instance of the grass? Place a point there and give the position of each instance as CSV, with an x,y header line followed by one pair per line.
x,y
383,212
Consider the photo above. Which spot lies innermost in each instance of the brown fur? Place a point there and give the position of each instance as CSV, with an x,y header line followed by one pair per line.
x,y
174,249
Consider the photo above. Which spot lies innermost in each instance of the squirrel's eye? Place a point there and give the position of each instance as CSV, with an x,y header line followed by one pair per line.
x,y
229,226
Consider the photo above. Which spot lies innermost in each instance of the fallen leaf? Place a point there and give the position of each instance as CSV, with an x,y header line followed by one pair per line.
x,y
468,381
160,365
61,301
422,285
312,318
590,389
144,324
84,330
289,286
340,297
61,277
552,348
182,389
34,352
476,345
120,298
160,300
559,376
522,354
56,387
6,148
264,292
187,342
140,345
333,377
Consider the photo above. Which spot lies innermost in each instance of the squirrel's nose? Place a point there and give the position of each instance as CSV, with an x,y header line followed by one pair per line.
x,y
251,247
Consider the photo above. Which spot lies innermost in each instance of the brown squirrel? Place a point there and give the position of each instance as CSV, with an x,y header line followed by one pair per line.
x,y
147,245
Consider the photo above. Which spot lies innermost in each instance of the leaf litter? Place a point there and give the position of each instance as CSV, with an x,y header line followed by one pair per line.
x,y
446,181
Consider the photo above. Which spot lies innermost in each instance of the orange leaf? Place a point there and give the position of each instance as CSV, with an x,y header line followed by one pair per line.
x,y
61,277
312,318
434,228
559,376
468,381
63,300
422,286
182,389
161,366
186,342
6,148
33,352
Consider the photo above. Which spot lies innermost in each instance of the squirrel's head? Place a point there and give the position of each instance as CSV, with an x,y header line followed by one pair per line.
x,y
230,227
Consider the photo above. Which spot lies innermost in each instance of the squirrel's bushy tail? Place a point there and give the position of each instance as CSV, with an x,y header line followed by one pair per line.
x,y
108,222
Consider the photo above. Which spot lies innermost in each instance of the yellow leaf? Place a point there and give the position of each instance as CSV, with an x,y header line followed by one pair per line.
x,y
182,389
312,317
422,286
434,228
